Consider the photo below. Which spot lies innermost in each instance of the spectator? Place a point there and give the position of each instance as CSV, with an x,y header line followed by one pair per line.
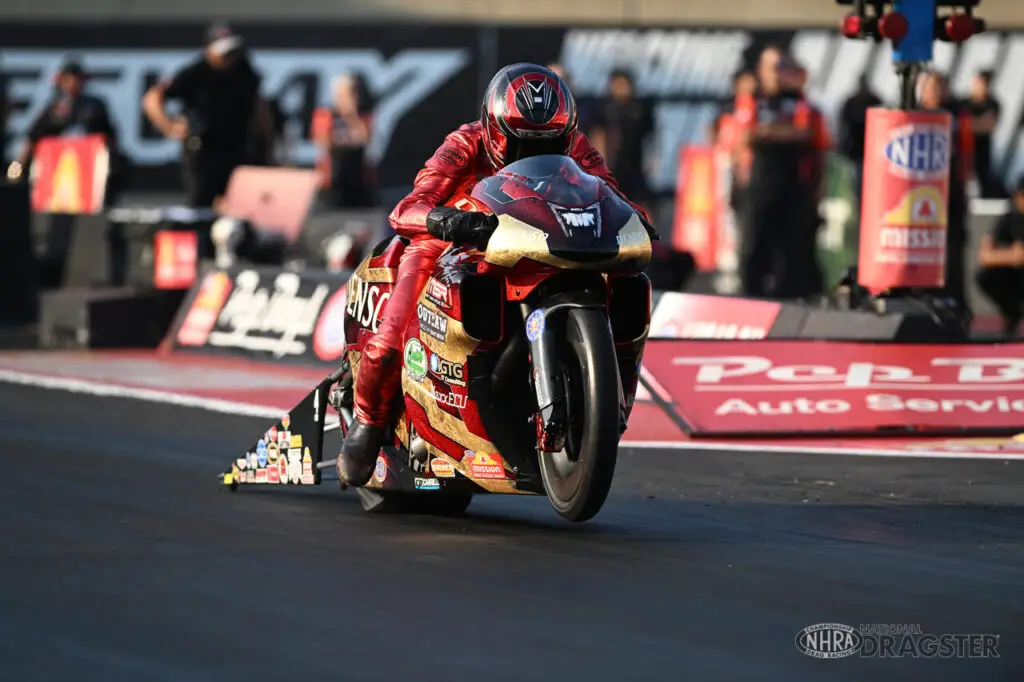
x,y
584,107
342,132
984,110
853,118
72,111
221,96
726,135
1001,258
620,132
786,137
933,94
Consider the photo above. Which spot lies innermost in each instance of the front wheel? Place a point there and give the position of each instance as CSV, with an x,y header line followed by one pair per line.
x,y
578,478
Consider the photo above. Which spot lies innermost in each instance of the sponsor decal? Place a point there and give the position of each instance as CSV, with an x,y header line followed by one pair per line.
x,y
586,220
920,152
273,452
294,465
449,372
271,434
175,257
296,440
535,325
282,470
329,336
274,474
365,303
438,294
592,159
380,471
202,315
693,316
307,468
400,83
449,398
261,454
284,439
787,386
428,484
261,476
415,360
432,323
275,318
630,238
242,462
286,421
914,231
453,156
442,468
483,465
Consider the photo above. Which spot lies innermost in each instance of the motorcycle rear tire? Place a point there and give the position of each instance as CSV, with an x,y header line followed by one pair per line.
x,y
591,349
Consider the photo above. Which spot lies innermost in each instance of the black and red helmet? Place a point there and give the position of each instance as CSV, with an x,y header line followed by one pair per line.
x,y
527,111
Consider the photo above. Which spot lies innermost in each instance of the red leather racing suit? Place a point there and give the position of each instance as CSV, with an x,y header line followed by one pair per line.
x,y
447,179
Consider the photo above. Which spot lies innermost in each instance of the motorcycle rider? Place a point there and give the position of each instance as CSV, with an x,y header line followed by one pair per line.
x,y
527,110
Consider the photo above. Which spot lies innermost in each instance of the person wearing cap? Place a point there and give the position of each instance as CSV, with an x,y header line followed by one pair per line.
x,y
71,111
1001,257
220,94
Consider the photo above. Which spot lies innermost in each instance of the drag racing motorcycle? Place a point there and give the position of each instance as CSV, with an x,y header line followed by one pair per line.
x,y
513,364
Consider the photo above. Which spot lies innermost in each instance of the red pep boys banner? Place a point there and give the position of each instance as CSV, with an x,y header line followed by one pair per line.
x,y
698,316
69,174
814,387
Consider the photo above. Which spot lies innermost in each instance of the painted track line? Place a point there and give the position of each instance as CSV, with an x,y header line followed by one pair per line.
x,y
107,390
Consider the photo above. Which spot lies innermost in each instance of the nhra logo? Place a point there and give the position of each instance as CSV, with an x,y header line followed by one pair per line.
x,y
919,152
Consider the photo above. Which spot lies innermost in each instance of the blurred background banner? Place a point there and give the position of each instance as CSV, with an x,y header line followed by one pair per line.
x,y
426,79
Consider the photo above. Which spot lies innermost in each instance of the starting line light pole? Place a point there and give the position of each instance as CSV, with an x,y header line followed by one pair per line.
x,y
912,26
905,189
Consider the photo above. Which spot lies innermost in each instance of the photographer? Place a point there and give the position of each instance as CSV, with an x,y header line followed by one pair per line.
x,y
221,96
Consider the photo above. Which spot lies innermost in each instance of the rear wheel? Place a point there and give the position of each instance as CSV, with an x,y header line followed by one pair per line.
x,y
577,479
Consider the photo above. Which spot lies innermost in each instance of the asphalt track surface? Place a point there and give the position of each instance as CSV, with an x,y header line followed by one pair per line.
x,y
122,559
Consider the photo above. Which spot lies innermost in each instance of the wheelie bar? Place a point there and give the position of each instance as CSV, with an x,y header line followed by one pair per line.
x,y
547,384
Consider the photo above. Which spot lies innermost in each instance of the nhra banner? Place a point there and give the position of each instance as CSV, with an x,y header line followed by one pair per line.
x,y
426,80
827,387
265,313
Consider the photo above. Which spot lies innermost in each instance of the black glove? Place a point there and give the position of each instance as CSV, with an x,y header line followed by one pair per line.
x,y
461,227
651,232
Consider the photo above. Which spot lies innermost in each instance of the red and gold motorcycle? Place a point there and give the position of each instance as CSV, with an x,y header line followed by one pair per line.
x,y
520,366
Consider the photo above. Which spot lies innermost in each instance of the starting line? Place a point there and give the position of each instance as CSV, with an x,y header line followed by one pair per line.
x,y
903,448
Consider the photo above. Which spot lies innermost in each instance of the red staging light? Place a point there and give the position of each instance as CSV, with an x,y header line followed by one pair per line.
x,y
851,26
959,27
894,26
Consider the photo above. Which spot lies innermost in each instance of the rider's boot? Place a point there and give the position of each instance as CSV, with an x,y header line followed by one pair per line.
x,y
376,384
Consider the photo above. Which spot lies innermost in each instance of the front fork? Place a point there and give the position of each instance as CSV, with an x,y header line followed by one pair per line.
x,y
547,381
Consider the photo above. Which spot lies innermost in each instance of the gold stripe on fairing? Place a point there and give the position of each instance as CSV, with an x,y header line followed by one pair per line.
x,y
514,240
373,275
